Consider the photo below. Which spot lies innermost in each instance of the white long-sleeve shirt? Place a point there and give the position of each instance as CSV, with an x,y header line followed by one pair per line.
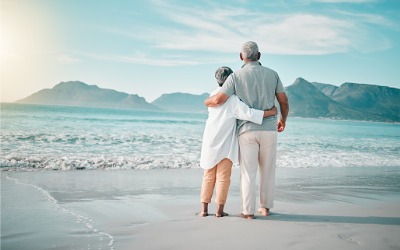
x,y
220,135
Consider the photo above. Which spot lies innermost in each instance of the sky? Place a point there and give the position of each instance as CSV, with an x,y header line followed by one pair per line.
x,y
154,47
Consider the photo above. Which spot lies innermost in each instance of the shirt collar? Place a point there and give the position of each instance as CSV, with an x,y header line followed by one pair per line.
x,y
251,63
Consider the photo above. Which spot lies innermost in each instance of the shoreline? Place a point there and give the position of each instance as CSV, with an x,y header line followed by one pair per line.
x,y
30,169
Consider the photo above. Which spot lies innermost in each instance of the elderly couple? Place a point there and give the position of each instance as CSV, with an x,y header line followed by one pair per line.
x,y
233,128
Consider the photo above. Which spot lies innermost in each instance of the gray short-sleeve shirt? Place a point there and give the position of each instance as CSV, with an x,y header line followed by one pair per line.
x,y
256,86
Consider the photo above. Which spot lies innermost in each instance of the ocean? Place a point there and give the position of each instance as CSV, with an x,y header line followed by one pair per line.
x,y
37,137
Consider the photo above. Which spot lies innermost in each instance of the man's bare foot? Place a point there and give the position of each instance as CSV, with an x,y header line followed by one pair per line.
x,y
264,211
203,214
247,216
223,214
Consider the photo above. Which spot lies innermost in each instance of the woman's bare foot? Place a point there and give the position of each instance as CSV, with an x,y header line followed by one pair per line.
x,y
220,211
204,209
223,214
203,214
264,211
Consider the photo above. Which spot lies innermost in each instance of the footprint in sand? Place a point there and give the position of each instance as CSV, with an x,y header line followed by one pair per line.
x,y
348,238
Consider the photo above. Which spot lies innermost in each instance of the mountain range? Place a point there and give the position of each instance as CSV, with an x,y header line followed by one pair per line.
x,y
352,101
77,93
349,101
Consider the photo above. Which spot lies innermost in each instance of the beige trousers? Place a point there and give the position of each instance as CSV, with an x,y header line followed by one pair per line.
x,y
219,176
257,152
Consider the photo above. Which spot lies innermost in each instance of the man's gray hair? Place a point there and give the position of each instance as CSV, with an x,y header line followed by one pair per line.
x,y
250,51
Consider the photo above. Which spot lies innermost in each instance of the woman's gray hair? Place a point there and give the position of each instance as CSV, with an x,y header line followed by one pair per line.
x,y
250,51
221,74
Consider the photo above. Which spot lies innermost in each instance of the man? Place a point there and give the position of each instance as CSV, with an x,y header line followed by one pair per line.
x,y
257,86
220,147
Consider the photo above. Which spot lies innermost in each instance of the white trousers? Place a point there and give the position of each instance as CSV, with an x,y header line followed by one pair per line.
x,y
257,152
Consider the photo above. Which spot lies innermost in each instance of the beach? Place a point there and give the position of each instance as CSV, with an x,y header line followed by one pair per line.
x,y
326,208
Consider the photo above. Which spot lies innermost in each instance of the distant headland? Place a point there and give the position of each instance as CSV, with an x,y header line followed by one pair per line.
x,y
350,101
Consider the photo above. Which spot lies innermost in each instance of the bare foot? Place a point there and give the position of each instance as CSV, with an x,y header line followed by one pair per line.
x,y
223,214
203,214
264,211
247,216
204,209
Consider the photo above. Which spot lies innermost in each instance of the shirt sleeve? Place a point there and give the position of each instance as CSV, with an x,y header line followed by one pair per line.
x,y
229,86
243,112
279,86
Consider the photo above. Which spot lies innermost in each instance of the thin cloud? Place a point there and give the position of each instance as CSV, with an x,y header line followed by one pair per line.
x,y
368,18
165,60
292,34
169,60
67,59
144,59
212,28
304,34
200,28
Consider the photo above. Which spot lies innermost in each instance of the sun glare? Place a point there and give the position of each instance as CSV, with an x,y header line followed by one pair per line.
x,y
7,46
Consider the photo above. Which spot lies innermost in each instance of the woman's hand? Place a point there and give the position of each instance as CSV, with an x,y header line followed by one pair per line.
x,y
274,110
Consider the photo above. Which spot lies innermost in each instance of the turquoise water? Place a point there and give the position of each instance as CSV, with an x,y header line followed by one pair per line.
x,y
68,138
